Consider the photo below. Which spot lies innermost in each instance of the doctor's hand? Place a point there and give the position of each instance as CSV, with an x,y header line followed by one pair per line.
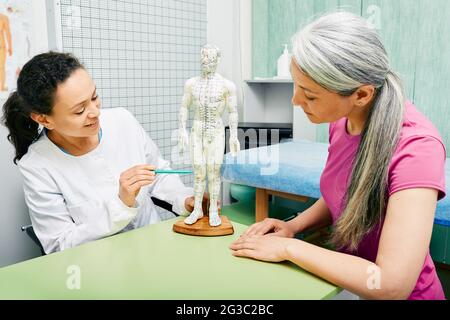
x,y
132,180
189,203
271,227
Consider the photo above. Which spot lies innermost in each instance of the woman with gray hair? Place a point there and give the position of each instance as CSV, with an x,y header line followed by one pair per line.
x,y
383,177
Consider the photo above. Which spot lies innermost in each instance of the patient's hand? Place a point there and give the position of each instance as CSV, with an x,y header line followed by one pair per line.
x,y
265,248
272,227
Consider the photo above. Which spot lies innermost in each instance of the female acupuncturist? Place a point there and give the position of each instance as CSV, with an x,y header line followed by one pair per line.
x,y
383,177
87,174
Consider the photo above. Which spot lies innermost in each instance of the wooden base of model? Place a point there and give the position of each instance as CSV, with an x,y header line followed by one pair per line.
x,y
202,228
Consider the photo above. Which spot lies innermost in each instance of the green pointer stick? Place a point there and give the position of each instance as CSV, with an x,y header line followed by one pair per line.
x,y
174,171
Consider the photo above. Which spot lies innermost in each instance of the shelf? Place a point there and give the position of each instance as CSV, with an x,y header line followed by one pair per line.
x,y
268,100
269,80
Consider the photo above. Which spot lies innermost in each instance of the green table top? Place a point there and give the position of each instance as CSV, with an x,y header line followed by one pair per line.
x,y
156,263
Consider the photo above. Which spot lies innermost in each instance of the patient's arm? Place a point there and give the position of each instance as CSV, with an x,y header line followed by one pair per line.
x,y
315,217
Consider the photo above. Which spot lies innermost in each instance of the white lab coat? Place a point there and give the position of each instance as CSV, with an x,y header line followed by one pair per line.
x,y
74,199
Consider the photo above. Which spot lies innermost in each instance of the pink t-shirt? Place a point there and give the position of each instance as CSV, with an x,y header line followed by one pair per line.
x,y
418,162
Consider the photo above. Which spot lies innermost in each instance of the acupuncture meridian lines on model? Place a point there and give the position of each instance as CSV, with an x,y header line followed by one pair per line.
x,y
209,95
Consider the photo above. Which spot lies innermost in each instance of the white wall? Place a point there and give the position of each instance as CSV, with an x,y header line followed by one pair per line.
x,y
229,28
15,245
303,129
268,102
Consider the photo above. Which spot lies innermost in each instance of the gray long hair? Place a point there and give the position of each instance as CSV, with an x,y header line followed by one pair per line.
x,y
341,52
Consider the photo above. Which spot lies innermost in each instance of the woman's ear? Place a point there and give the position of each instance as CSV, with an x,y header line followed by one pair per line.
x,y
42,119
364,95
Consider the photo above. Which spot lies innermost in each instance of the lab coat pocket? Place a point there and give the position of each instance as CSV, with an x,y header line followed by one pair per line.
x,y
84,212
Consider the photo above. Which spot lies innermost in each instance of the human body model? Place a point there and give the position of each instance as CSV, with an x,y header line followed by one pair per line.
x,y
208,95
